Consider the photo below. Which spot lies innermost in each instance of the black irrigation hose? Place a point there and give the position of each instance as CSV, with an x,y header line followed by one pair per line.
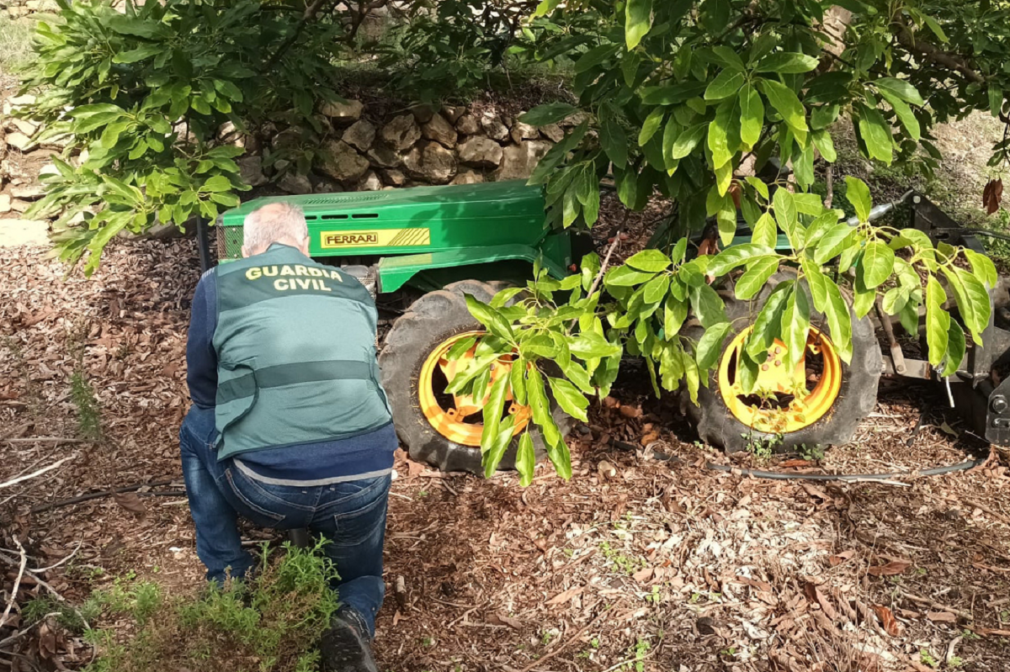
x,y
785,476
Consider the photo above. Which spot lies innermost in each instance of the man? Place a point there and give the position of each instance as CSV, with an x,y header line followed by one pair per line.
x,y
289,425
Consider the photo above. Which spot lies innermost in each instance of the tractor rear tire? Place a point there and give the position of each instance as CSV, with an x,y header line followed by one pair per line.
x,y
426,326
718,426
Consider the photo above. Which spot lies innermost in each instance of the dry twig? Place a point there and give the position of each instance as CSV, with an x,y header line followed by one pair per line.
x,y
52,466
17,582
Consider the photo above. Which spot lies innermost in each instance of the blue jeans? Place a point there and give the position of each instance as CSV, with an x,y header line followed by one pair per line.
x,y
350,515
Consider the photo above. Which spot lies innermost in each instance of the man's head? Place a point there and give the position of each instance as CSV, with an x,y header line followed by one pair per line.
x,y
275,223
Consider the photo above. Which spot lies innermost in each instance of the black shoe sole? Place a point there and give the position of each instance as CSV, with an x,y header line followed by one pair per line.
x,y
343,649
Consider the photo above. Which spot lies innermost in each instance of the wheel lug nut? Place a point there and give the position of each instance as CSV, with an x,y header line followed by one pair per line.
x,y
778,362
764,367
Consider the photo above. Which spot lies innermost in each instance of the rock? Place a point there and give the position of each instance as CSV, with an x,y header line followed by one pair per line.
x,y
453,112
230,135
493,127
394,178
15,232
251,170
20,141
343,163
401,133
481,152
322,184
343,113
32,192
467,125
440,130
518,161
286,139
26,127
554,132
34,5
5,203
18,205
422,113
293,183
48,169
370,182
468,177
574,119
360,135
382,156
521,131
18,12
431,163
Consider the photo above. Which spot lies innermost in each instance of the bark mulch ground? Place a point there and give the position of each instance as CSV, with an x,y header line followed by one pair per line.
x,y
635,564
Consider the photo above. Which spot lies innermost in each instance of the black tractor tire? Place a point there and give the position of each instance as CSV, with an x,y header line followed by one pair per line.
x,y
428,322
717,426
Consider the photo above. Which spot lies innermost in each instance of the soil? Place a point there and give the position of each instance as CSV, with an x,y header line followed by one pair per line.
x,y
635,559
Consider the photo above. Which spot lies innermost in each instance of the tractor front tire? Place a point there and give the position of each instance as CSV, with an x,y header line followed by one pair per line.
x,y
718,414
407,363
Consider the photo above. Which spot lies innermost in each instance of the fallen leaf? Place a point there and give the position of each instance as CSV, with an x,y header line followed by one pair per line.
x,y
787,464
631,411
887,619
941,617
814,594
892,568
643,575
844,556
414,468
992,195
563,597
947,429
131,502
502,619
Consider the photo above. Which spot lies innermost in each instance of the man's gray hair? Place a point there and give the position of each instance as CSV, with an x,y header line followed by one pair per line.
x,y
272,223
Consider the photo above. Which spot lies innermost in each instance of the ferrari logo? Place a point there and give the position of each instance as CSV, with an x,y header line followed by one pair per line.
x,y
413,237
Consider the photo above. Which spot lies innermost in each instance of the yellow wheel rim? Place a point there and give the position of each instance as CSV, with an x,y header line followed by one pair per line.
x,y
459,417
783,401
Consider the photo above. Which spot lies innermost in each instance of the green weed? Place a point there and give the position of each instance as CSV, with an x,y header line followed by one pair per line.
x,y
89,416
621,562
15,42
926,658
270,623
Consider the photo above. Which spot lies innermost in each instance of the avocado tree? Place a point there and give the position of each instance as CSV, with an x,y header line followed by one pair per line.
x,y
690,100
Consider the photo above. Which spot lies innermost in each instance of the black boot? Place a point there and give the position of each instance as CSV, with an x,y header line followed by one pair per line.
x,y
345,647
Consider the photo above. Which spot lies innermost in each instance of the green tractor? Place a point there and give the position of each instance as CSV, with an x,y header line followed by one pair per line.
x,y
435,244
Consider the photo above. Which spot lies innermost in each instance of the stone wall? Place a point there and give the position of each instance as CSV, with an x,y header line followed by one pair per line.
x,y
18,8
420,146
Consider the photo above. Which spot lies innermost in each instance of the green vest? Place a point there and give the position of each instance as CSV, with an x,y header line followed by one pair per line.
x,y
295,343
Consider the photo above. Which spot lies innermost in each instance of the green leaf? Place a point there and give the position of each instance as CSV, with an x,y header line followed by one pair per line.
x,y
894,300
720,140
526,459
595,56
637,21
767,326
904,113
785,214
876,133
755,277
517,381
935,27
656,289
759,186
707,306
816,281
765,232
728,58
876,264
819,227
839,320
796,325
976,295
625,276
673,94
726,84
752,115
710,345
786,103
858,194
560,457
674,314
825,145
497,447
937,321
490,318
494,408
736,255
650,261
652,123
460,348
550,113
138,54
956,348
982,267
900,89
614,141
217,183
569,398
910,317
786,63
823,116
590,345
688,140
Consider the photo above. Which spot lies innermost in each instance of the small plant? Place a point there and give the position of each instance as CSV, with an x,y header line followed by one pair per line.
x,y
639,652
545,637
75,620
427,641
655,597
955,662
762,449
812,453
620,561
926,658
729,652
970,634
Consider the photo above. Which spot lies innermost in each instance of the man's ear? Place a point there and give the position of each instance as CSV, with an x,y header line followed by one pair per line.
x,y
304,247
245,252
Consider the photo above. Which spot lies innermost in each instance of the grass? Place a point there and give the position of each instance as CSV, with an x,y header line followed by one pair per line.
x,y
272,623
15,43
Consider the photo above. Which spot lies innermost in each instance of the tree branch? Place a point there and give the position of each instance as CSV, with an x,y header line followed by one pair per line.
x,y
310,13
938,56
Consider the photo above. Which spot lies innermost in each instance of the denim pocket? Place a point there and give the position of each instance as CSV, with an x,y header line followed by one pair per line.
x,y
268,518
